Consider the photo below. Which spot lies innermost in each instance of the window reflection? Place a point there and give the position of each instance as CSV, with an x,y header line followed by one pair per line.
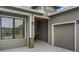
x,y
11,28
18,28
7,27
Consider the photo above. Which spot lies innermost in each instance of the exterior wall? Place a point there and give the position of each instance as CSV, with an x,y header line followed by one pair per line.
x,y
12,43
29,33
66,16
71,15
29,16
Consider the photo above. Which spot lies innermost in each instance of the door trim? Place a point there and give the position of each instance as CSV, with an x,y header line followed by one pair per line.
x,y
61,23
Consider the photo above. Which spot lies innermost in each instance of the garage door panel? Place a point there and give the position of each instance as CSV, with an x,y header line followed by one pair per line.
x,y
64,36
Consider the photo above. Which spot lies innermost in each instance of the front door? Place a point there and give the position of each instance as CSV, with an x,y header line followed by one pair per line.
x,y
41,29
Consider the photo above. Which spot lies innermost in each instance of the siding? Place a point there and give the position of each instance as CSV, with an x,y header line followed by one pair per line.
x,y
71,15
66,16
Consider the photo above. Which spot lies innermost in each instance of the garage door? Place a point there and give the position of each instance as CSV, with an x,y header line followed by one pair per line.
x,y
64,36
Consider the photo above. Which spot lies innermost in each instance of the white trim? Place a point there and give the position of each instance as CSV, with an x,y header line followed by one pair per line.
x,y
75,46
30,24
25,29
33,27
53,35
12,17
62,24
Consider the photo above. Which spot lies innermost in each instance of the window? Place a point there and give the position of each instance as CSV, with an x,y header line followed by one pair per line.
x,y
7,27
11,28
0,28
19,28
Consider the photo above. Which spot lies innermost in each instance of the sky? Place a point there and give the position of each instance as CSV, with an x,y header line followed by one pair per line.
x,y
62,8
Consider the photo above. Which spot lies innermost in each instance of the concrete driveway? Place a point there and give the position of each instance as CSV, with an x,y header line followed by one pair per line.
x,y
40,46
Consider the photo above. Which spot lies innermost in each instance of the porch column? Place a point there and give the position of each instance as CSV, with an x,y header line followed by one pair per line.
x,y
31,31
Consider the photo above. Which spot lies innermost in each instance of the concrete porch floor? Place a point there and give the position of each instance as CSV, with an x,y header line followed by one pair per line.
x,y
40,46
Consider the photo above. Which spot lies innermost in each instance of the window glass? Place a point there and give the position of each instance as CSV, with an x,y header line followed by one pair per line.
x,y
7,27
0,28
19,28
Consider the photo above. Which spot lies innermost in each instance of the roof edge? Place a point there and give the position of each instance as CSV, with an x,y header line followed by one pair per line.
x,y
58,12
30,10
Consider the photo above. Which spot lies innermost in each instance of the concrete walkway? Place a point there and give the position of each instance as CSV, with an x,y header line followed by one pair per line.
x,y
40,46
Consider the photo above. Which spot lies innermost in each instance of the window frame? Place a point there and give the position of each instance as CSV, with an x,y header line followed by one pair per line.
x,y
13,29
20,28
2,28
